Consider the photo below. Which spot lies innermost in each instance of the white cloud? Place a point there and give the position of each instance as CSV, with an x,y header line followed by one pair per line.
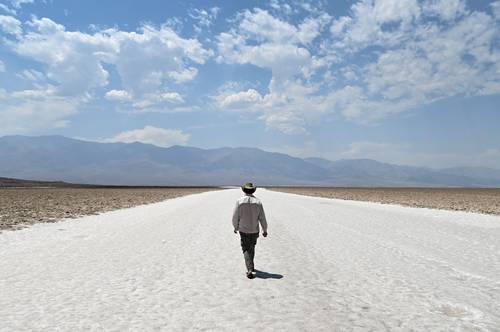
x,y
398,80
262,26
270,43
152,135
31,75
73,58
312,7
10,25
239,99
282,108
29,111
286,121
435,67
145,60
118,95
183,75
366,24
340,24
171,97
445,9
409,59
19,3
281,7
311,28
148,62
7,10
155,101
405,58
285,61
349,73
489,88
408,53
39,94
495,6
416,61
204,17
394,10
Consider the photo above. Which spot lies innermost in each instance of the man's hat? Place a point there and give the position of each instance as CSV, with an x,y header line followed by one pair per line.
x,y
248,187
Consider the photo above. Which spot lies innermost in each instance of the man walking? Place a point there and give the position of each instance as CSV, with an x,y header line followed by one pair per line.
x,y
247,215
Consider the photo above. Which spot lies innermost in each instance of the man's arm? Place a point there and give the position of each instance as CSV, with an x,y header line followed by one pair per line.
x,y
262,220
236,217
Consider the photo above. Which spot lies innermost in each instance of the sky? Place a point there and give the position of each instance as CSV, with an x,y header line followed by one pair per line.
x,y
401,81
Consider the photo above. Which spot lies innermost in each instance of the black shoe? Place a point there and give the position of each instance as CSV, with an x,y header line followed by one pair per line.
x,y
250,275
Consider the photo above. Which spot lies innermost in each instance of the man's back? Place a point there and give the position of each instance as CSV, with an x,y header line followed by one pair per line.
x,y
247,214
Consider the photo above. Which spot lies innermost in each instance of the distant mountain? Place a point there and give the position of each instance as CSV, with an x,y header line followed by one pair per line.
x,y
359,172
58,158
15,183
475,172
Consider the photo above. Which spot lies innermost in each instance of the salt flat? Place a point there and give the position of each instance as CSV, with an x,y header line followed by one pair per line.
x,y
328,265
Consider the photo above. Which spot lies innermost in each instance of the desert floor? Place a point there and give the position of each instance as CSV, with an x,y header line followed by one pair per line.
x,y
20,207
458,199
327,265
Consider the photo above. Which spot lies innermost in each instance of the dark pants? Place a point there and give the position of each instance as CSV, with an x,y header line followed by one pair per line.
x,y
248,242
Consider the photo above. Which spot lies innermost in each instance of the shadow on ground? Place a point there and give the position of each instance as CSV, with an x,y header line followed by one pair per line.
x,y
267,275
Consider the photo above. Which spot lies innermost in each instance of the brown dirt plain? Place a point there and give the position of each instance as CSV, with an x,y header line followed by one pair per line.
x,y
459,199
20,207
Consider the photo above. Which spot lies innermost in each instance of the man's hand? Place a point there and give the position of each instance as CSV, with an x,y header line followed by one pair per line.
x,y
264,234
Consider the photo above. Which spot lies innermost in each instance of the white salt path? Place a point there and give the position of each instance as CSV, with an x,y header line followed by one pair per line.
x,y
330,265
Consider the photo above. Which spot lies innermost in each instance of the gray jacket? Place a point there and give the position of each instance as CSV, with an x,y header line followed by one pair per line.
x,y
247,214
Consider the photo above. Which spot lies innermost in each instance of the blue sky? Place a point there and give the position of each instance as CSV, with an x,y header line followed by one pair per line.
x,y
402,81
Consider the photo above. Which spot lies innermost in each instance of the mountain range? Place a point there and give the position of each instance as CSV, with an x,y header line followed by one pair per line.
x,y
58,158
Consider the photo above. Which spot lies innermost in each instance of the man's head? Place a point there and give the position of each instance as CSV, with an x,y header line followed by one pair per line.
x,y
248,188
